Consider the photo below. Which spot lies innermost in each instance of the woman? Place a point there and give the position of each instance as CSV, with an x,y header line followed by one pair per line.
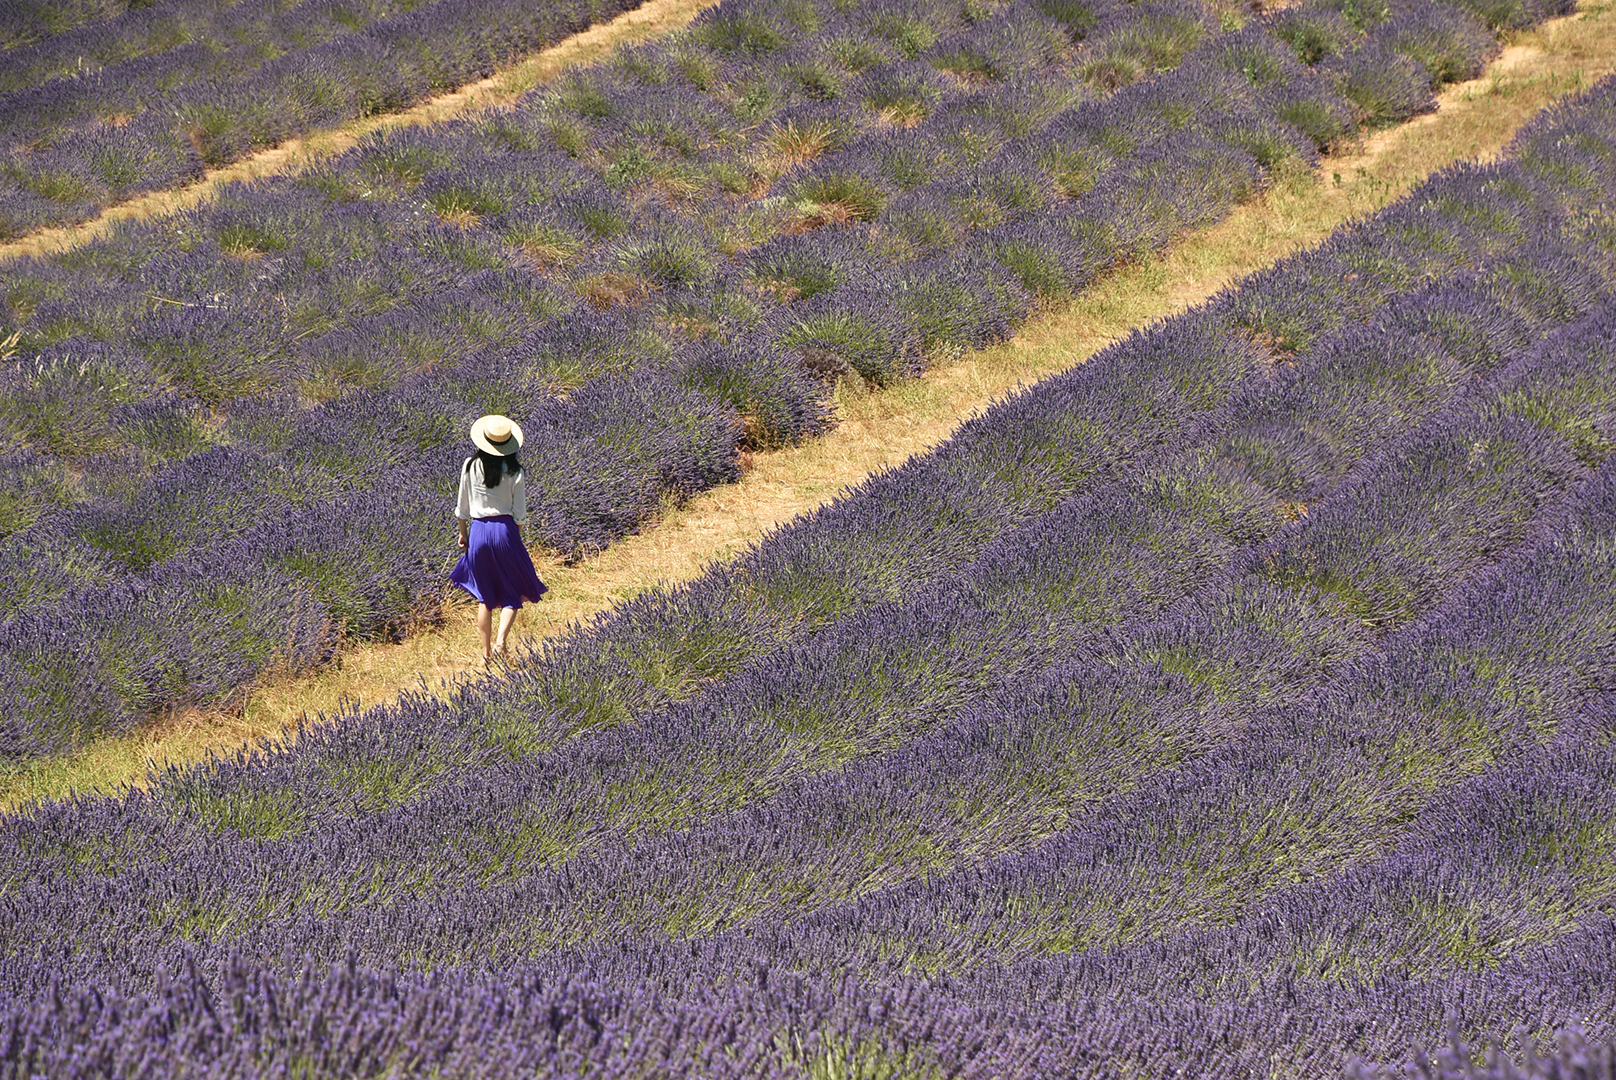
x,y
492,507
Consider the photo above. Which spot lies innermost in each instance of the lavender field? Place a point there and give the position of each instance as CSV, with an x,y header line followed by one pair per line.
x,y
101,101
670,258
1240,703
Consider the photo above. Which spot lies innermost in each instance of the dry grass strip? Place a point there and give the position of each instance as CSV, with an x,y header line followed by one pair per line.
x,y
1476,119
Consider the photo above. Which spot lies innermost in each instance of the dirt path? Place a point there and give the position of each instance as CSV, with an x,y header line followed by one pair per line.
x,y
648,20
1476,118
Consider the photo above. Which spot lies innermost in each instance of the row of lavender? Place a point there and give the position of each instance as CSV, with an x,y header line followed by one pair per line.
x,y
172,86
1053,193
24,22
1007,764
149,98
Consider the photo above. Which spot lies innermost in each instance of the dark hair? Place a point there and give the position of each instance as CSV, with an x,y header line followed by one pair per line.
x,y
495,467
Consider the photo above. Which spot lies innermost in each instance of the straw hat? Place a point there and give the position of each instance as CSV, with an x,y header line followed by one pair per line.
x,y
497,434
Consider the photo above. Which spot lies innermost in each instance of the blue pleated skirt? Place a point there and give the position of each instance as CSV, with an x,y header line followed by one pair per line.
x,y
496,568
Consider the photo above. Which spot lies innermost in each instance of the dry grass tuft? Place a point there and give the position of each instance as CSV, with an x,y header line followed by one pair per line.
x,y
613,288
905,114
795,145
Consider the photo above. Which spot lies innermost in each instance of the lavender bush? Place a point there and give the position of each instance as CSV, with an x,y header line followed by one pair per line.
x,y
1570,1057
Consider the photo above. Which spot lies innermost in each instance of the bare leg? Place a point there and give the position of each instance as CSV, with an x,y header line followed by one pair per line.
x,y
485,626
506,617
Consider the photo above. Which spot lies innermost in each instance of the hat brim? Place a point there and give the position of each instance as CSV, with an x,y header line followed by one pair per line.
x,y
504,449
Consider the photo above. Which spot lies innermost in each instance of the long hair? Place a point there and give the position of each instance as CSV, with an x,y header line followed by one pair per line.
x,y
495,467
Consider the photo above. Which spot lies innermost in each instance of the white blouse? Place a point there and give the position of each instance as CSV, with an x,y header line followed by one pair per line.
x,y
479,501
